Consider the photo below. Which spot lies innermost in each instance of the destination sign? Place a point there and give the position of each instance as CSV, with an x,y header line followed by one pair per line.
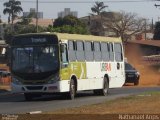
x,y
38,40
35,40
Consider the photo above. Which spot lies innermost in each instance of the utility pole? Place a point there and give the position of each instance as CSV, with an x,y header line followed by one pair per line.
x,y
37,16
145,35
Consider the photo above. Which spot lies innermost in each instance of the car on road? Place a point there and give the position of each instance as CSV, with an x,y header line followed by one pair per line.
x,y
132,75
4,73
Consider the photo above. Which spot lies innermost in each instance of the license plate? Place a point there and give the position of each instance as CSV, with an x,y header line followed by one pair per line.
x,y
130,75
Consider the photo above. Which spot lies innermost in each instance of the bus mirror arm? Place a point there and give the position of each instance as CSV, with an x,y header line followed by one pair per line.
x,y
65,64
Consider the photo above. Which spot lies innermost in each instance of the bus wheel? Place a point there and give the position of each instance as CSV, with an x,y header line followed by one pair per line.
x,y
28,96
104,91
72,91
136,82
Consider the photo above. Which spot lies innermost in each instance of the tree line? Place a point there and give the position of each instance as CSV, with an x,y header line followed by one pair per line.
x,y
123,24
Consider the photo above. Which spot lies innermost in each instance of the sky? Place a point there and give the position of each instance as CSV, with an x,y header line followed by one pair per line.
x,y
50,8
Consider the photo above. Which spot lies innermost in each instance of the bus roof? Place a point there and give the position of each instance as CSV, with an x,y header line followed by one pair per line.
x,y
66,36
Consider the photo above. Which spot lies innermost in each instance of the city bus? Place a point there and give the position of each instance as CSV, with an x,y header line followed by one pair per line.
x,y
44,63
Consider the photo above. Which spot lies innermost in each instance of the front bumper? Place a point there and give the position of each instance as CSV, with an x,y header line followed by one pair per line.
x,y
60,86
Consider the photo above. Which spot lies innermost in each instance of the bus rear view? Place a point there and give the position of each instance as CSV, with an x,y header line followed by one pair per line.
x,y
34,64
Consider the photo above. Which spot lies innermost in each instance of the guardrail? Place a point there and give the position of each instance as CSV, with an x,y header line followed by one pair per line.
x,y
151,60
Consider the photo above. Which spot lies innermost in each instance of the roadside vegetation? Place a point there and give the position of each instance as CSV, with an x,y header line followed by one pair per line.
x,y
68,24
146,103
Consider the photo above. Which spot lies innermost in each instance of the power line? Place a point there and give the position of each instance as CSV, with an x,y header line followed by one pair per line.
x,y
105,1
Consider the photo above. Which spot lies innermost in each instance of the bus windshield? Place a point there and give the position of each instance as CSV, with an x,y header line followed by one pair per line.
x,y
35,59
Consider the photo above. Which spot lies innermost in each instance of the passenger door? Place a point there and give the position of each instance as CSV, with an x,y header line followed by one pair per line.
x,y
120,74
64,62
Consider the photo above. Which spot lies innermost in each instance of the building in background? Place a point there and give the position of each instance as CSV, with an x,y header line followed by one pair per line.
x,y
67,12
32,12
42,22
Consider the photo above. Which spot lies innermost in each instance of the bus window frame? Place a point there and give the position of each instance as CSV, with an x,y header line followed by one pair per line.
x,y
65,48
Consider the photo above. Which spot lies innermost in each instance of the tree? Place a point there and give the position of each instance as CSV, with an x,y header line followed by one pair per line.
x,y
157,31
21,29
68,24
125,24
68,20
12,8
98,7
25,21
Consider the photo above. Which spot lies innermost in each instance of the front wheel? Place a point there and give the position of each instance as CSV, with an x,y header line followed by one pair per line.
x,y
72,91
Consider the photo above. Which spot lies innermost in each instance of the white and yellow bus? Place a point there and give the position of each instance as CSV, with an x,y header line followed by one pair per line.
x,y
65,63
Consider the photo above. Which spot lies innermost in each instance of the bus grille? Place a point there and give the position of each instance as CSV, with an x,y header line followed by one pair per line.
x,y
34,87
35,83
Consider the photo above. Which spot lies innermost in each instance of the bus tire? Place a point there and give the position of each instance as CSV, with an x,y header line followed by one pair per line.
x,y
72,90
28,96
105,89
136,82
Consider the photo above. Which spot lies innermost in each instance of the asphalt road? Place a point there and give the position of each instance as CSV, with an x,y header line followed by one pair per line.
x,y
16,104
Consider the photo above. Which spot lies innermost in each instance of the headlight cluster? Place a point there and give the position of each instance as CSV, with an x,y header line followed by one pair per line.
x,y
137,74
54,79
16,81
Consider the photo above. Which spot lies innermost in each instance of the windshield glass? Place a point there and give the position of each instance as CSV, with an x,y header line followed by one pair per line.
x,y
35,59
128,67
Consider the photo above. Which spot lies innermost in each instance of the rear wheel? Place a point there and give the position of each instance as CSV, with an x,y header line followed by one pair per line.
x,y
103,91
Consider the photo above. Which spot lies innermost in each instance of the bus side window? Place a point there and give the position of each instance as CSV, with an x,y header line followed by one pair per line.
x,y
97,51
111,52
88,51
72,50
118,52
105,51
64,55
80,51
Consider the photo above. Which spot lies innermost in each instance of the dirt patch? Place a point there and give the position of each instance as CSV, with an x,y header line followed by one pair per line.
x,y
149,75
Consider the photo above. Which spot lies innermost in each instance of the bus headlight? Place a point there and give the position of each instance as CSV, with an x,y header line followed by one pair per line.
x,y
54,79
16,81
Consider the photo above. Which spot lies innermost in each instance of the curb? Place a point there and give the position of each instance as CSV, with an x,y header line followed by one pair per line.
x,y
35,112
5,92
